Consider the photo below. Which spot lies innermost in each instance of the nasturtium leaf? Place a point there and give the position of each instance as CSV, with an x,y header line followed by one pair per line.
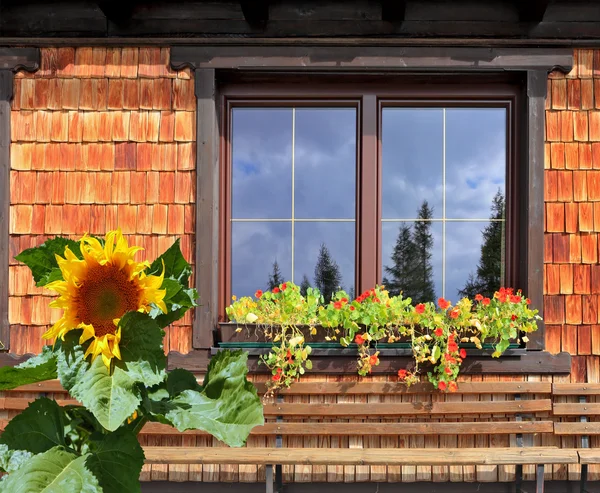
x,y
110,398
37,369
54,471
42,261
11,460
37,429
228,406
117,460
176,266
142,355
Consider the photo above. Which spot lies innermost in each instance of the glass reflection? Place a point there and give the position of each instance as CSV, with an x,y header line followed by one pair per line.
x,y
412,150
475,160
255,248
412,259
261,146
325,163
324,255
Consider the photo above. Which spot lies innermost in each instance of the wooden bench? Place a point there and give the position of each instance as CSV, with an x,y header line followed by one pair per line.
x,y
510,412
576,416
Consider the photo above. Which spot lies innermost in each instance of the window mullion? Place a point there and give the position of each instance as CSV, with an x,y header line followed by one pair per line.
x,y
369,229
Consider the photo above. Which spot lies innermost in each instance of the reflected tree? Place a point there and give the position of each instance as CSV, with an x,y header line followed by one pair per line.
x,y
411,271
328,278
275,278
304,285
488,276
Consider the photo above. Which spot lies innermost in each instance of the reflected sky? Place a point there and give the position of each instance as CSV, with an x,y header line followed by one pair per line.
x,y
323,142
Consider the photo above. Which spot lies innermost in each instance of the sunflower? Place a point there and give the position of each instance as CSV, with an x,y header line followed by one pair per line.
x,y
99,289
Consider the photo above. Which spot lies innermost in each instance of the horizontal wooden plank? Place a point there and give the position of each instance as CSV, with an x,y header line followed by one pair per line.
x,y
589,456
47,386
357,388
20,403
408,408
577,428
369,456
572,409
576,389
388,429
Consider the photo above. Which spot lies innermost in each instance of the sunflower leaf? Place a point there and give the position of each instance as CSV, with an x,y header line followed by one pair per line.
x,y
227,406
37,369
110,398
54,471
176,266
117,461
11,460
37,429
176,306
42,261
179,380
142,355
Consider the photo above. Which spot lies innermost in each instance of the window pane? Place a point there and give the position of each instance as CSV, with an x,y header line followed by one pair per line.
x,y
412,259
475,160
474,260
261,145
325,163
255,247
412,157
330,243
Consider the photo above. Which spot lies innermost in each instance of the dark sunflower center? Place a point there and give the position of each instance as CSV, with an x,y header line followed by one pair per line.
x,y
106,294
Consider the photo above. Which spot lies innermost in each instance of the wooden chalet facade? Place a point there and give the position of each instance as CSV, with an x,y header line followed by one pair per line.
x,y
112,114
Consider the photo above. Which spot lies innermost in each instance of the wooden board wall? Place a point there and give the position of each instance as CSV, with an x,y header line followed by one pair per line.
x,y
106,136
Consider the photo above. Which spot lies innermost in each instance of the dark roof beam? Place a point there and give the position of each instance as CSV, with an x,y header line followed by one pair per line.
x,y
256,12
531,10
393,11
118,12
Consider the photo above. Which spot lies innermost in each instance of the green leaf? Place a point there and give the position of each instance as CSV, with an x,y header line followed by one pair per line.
x,y
110,398
227,407
37,429
142,355
70,360
37,369
180,303
179,380
42,261
11,460
54,471
117,461
176,267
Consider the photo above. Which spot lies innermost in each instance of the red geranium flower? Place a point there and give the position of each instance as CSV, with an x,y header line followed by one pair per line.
x,y
443,304
442,385
452,386
359,339
351,308
276,378
258,293
439,332
344,300
463,353
513,317
528,301
452,347
402,374
373,360
448,371
448,357
275,290
478,297
377,300
284,286
486,301
337,305
420,308
454,313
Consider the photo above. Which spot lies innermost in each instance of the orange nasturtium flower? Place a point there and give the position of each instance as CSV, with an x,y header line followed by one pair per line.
x,y
99,289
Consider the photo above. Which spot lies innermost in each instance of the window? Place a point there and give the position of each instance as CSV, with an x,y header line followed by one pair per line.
x,y
410,183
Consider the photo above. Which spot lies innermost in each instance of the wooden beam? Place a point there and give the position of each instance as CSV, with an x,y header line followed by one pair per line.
x,y
11,60
118,12
531,10
256,12
393,11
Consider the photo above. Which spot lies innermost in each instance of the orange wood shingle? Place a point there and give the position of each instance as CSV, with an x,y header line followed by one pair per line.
x,y
581,279
183,185
152,126
159,221
115,94
185,128
149,62
152,186
552,126
97,68
555,217
593,185
112,68
110,216
572,155
580,186
138,122
565,186
594,124
126,215
43,187
65,62
104,187
60,126
175,219
590,309
120,125
167,126
129,63
573,94
587,94
43,125
168,157
97,219
131,94
166,191
186,156
162,89
83,62
146,94
69,94
586,216
569,339
144,218
565,121
22,126
121,187
566,279
589,248
138,188
554,309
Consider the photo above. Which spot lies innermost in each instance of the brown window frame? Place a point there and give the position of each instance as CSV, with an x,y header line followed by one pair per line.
x,y
369,95
210,61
